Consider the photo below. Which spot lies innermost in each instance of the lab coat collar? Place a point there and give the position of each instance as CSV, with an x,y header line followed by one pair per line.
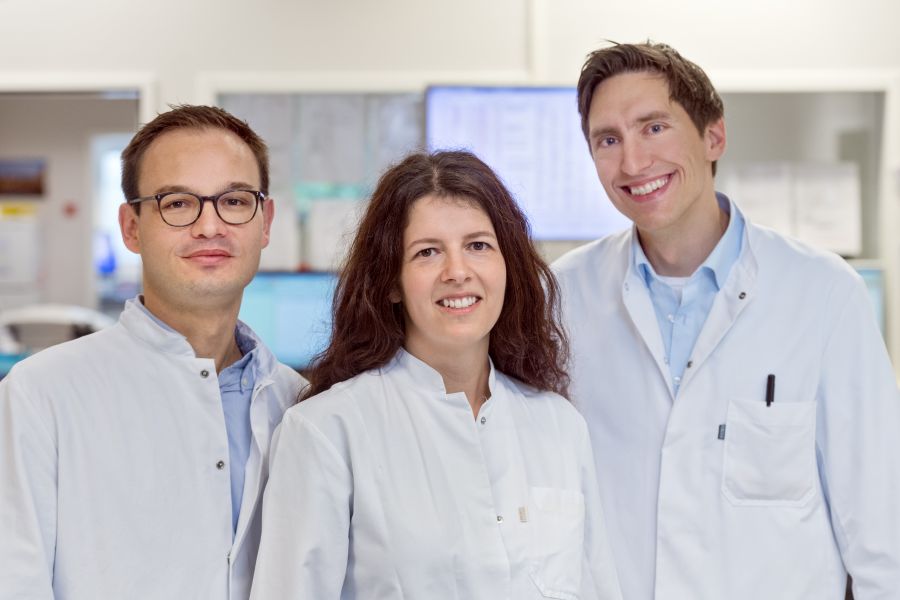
x,y
426,376
719,262
140,323
728,303
143,325
736,294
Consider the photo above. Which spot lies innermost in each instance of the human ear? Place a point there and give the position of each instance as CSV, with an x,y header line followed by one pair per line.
x,y
128,225
714,139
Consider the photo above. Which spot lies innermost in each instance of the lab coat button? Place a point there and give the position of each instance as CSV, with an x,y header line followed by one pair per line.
x,y
742,295
204,373
499,518
690,364
220,465
483,420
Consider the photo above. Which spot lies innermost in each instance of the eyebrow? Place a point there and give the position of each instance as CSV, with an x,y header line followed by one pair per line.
x,y
657,115
234,185
469,236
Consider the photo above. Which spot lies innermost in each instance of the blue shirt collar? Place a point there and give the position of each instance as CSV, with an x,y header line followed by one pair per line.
x,y
719,262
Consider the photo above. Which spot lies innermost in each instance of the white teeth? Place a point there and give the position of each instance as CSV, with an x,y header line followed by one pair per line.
x,y
458,302
651,186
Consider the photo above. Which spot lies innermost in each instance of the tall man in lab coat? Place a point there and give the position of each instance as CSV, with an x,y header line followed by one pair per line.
x,y
742,407
133,460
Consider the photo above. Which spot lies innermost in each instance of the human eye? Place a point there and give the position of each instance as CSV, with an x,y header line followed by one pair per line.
x,y
480,246
606,141
176,202
425,253
655,128
236,199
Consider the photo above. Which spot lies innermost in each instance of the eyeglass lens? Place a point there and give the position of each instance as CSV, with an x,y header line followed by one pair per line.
x,y
235,208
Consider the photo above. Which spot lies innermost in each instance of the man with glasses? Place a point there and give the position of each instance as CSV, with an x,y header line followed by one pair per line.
x,y
132,461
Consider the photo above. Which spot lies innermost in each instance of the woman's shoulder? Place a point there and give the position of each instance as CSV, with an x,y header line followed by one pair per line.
x,y
542,401
339,400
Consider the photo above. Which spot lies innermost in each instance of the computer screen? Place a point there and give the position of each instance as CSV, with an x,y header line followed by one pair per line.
x,y
874,278
531,136
291,313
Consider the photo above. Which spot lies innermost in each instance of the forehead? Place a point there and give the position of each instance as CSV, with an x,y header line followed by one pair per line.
x,y
197,159
446,214
628,95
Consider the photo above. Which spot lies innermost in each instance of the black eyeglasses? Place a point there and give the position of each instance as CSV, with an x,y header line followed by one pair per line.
x,y
180,209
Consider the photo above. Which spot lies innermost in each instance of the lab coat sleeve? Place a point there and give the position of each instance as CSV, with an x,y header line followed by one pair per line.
x,y
599,570
858,447
306,516
28,467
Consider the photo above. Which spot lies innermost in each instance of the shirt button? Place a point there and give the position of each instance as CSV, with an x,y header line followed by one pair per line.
x,y
671,318
483,420
499,518
677,379
220,465
204,373
244,382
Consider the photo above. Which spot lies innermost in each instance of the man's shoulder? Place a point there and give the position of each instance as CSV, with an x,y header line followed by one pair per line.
x,y
288,382
93,350
789,256
599,253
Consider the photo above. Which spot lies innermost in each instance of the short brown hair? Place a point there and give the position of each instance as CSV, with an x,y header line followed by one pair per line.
x,y
688,84
188,116
527,342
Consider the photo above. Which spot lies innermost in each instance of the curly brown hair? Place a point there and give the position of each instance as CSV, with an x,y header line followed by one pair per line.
x,y
527,342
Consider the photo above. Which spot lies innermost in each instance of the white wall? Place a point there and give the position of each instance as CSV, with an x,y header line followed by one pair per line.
x,y
59,129
176,39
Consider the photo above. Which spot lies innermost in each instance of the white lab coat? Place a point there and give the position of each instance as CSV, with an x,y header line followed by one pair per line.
x,y
109,479
385,487
796,491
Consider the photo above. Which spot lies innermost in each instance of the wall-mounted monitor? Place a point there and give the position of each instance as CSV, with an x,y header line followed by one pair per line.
x,y
531,136
291,313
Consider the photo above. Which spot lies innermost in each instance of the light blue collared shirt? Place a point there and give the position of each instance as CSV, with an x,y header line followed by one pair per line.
x,y
236,389
680,322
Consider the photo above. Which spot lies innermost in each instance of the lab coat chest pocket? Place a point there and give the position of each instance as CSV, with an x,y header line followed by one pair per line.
x,y
770,456
558,521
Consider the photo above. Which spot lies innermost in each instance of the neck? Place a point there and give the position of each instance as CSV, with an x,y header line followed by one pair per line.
x,y
209,330
678,252
461,371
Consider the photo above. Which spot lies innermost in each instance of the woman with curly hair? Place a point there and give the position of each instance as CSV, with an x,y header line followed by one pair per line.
x,y
434,455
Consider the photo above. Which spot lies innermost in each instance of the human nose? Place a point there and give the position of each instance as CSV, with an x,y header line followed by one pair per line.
x,y
208,224
635,158
456,268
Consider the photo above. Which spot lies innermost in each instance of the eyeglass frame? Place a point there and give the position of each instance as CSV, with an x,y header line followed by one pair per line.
x,y
260,196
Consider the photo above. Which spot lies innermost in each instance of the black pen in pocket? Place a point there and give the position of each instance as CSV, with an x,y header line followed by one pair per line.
x,y
770,389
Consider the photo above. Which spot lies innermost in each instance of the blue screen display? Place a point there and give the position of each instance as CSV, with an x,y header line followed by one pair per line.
x,y
291,313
